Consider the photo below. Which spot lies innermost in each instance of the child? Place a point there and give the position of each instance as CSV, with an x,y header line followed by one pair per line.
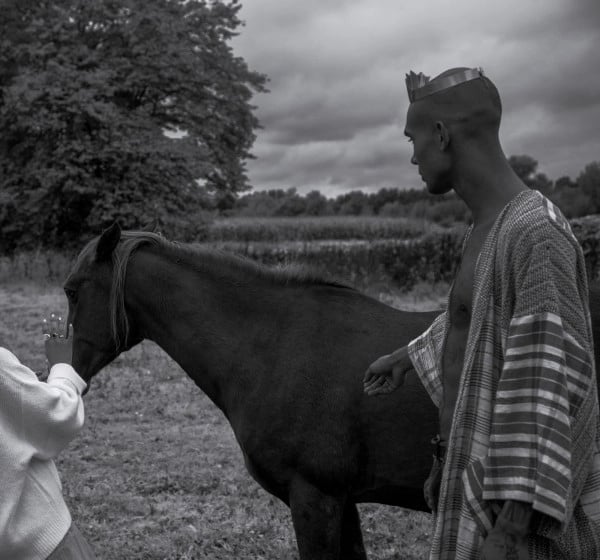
x,y
37,421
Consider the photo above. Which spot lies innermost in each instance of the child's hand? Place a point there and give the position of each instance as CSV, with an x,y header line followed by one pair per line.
x,y
59,345
43,375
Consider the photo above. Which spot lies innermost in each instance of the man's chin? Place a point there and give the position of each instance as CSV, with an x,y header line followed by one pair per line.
x,y
437,188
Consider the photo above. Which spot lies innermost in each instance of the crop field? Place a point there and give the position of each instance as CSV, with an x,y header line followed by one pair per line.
x,y
156,473
361,250
308,229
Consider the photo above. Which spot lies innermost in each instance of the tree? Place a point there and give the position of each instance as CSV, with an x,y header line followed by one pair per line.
x,y
525,167
589,183
564,183
88,89
292,204
316,204
353,203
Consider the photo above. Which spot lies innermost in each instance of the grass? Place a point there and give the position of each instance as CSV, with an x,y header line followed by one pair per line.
x,y
156,473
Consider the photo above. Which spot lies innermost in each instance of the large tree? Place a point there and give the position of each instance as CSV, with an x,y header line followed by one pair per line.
x,y
88,89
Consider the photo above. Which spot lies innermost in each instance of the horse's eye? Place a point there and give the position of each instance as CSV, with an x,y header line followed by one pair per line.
x,y
71,295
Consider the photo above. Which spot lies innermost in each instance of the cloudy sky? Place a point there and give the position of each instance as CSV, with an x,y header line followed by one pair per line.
x,y
334,116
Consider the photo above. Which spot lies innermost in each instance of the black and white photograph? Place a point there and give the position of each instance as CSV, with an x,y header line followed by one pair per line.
x,y
311,280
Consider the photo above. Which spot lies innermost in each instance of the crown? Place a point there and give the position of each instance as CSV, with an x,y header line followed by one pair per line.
x,y
419,85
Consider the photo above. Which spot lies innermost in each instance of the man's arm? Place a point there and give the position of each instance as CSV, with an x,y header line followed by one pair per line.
x,y
425,353
538,438
422,355
387,373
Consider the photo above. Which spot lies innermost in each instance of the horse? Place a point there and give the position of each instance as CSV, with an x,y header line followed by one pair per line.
x,y
282,353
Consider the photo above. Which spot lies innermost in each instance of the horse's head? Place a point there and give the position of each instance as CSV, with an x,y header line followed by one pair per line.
x,y
95,291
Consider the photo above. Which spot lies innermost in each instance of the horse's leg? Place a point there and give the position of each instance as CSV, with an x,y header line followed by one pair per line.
x,y
317,519
352,543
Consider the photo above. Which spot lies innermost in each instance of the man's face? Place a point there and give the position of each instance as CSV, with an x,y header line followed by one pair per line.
x,y
433,162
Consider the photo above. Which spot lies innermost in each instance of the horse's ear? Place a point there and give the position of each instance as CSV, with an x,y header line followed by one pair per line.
x,y
108,241
152,227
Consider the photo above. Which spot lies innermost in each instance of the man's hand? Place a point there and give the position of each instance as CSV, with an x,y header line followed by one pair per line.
x,y
59,347
499,545
387,373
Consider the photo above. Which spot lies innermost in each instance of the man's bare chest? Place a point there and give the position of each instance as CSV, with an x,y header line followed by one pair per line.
x,y
461,300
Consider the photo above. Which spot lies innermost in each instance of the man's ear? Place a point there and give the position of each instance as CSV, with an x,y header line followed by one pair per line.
x,y
108,241
443,136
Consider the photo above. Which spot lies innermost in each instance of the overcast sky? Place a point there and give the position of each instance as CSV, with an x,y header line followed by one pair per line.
x,y
334,116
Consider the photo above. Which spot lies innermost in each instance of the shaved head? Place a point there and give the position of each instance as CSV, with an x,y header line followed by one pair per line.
x,y
470,109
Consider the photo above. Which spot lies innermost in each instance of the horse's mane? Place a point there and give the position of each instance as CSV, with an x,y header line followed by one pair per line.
x,y
198,258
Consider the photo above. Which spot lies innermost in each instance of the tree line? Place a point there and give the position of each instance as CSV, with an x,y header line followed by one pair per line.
x,y
576,198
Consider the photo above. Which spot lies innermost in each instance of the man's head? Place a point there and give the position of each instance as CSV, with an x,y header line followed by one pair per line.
x,y
445,119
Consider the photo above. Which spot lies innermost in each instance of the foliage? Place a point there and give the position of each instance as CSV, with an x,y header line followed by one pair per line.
x,y
589,183
403,262
575,198
572,201
581,197
358,250
587,231
412,203
87,91
526,168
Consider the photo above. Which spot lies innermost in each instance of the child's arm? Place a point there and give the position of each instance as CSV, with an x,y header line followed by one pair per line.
x,y
41,418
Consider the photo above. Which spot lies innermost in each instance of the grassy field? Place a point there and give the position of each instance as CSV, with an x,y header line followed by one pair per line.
x,y
156,473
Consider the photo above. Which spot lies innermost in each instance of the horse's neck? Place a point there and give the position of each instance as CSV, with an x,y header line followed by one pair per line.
x,y
220,330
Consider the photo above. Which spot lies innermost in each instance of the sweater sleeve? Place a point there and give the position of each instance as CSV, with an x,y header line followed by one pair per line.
x,y
425,353
41,418
546,380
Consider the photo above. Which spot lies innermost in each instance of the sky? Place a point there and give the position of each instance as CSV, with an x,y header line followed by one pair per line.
x,y
333,118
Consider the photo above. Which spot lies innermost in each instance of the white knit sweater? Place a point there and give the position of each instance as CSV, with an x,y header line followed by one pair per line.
x,y
37,421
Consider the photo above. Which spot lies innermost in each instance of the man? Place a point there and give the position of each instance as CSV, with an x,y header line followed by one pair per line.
x,y
510,361
37,421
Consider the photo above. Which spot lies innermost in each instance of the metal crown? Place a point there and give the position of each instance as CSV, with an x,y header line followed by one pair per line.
x,y
419,85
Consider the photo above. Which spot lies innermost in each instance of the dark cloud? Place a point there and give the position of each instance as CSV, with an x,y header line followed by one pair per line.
x,y
334,116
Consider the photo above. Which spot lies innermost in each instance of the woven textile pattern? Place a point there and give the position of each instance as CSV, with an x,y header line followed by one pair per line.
x,y
526,423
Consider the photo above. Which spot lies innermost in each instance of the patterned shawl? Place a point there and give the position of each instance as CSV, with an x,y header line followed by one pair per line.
x,y
526,424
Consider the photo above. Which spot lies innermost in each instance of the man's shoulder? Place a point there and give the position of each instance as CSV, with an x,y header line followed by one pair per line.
x,y
536,221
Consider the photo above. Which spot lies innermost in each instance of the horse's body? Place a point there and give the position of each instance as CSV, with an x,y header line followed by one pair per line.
x,y
283,357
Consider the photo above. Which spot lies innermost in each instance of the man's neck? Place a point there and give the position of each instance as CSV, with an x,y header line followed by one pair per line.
x,y
487,187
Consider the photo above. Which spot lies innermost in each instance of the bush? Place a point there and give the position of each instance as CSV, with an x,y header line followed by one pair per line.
x,y
431,257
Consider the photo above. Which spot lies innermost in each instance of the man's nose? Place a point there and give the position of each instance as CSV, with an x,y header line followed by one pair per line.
x,y
413,160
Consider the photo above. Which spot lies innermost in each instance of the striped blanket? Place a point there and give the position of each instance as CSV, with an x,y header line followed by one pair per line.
x,y
526,425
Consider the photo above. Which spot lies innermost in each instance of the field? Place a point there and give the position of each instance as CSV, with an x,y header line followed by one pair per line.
x,y
156,472
310,229
365,251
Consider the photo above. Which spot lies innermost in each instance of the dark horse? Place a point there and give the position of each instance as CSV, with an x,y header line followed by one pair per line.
x,y
282,354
